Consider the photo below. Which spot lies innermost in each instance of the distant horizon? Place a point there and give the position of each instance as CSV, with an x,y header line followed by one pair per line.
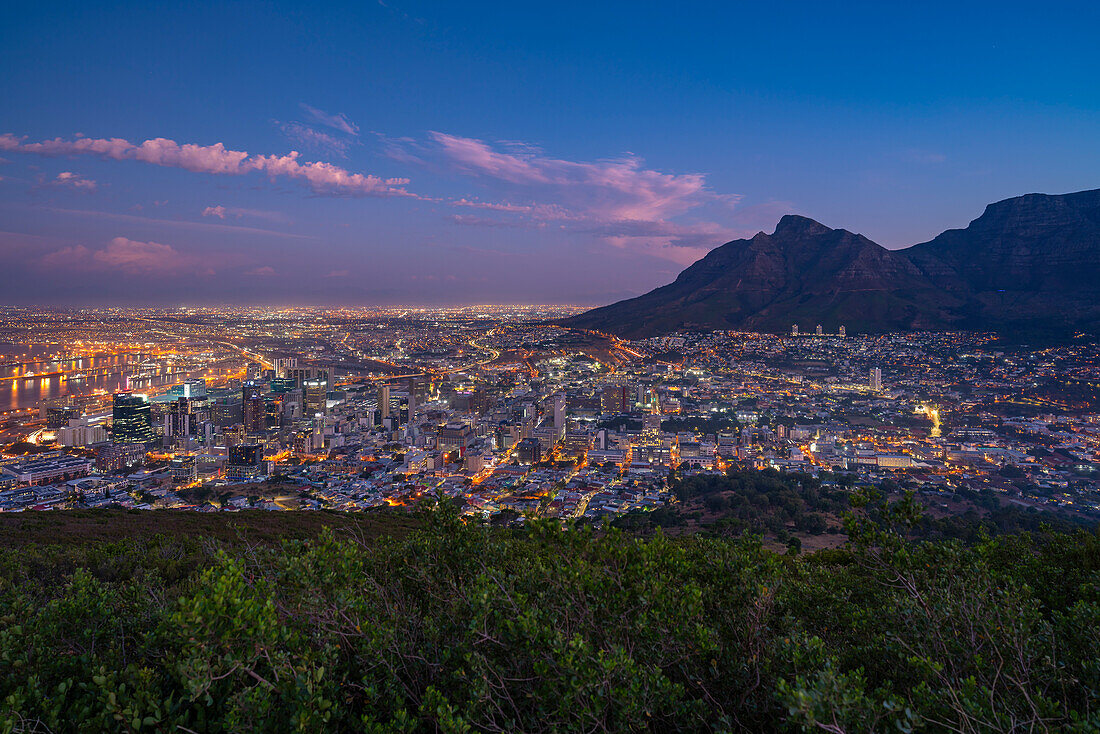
x,y
213,304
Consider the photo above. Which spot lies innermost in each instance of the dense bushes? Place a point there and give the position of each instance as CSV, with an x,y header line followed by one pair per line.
x,y
467,628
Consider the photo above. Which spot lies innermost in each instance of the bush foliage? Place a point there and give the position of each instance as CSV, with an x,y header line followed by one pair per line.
x,y
459,628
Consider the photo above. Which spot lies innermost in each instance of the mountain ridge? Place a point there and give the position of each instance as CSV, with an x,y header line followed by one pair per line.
x,y
1025,262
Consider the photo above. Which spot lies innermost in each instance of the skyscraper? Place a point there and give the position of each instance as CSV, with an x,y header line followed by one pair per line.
x,y
559,411
819,331
794,329
131,419
252,407
875,382
384,400
843,331
615,399
315,397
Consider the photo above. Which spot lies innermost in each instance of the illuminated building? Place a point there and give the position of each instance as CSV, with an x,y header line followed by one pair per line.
x,y
245,462
226,411
875,382
130,419
194,388
528,451
384,401
183,469
252,407
315,397
45,470
284,364
615,399
115,456
77,434
58,416
454,436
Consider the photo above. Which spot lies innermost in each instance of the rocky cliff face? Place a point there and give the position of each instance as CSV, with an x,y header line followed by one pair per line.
x,y
1026,260
1030,258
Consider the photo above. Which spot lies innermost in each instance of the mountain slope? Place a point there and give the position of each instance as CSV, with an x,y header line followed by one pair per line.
x,y
1032,258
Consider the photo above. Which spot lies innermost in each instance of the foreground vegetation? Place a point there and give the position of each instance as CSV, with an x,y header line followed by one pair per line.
x,y
452,627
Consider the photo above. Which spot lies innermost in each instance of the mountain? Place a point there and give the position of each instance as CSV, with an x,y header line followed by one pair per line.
x,y
1034,258
1030,260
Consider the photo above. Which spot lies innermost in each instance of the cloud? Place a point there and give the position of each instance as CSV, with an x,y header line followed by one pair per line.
x,y
321,178
337,274
610,190
315,139
263,271
618,200
75,181
336,122
221,212
179,223
132,257
470,220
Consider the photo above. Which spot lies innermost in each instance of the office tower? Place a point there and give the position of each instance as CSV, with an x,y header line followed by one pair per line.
x,y
614,399
843,331
245,462
315,397
282,385
559,412
384,400
876,379
184,469
794,330
179,419
226,411
58,416
818,331
131,419
528,451
283,364
301,374
252,407
192,388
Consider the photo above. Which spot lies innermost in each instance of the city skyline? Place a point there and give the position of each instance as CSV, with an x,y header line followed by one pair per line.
x,y
406,153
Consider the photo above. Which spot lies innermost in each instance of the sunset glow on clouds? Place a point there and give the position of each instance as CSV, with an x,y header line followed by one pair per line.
x,y
126,256
616,200
322,178
443,153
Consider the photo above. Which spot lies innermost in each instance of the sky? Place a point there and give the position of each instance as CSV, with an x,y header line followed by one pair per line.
x,y
402,152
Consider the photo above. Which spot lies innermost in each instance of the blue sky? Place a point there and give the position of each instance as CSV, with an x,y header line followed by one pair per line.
x,y
508,152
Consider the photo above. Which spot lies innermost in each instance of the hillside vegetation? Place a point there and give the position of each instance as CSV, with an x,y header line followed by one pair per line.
x,y
454,627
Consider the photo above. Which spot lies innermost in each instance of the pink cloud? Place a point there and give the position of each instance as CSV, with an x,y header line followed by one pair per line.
x,y
74,181
607,190
315,139
221,212
336,122
131,257
263,271
618,201
322,178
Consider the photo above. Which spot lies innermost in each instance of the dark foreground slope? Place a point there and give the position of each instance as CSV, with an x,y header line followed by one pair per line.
x,y
1026,262
456,628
